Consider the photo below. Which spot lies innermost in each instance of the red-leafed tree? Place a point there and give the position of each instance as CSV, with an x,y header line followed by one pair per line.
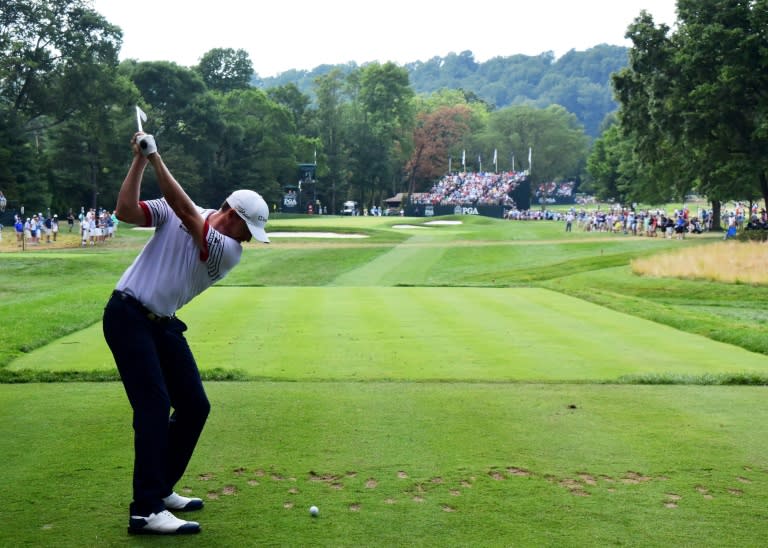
x,y
436,133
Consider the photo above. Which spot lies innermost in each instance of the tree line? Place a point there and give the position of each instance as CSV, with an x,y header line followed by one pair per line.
x,y
67,106
691,116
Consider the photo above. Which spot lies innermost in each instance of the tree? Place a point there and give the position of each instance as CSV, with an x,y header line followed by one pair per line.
x,y
607,165
554,137
44,47
226,69
19,175
57,66
86,154
724,98
294,100
168,89
435,135
616,174
331,98
257,149
696,98
382,131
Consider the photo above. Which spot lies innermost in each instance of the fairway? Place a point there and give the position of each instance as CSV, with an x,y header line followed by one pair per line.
x,y
484,383
406,333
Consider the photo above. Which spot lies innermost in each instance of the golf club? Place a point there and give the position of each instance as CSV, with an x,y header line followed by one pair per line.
x,y
140,117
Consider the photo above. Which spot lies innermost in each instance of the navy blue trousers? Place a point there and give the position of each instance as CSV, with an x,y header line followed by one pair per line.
x,y
159,373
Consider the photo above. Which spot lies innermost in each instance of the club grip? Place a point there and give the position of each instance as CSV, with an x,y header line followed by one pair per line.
x,y
147,145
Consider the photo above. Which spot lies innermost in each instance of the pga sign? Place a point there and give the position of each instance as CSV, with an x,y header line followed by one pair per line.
x,y
462,210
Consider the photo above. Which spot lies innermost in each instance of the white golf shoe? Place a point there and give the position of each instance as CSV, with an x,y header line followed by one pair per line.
x,y
162,523
174,501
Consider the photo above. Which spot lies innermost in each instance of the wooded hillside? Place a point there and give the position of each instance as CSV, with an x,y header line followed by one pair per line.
x,y
579,80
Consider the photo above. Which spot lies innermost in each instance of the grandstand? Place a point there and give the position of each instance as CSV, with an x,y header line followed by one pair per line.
x,y
487,193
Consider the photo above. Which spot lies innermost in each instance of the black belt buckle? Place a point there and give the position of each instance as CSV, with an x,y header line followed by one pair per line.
x,y
138,304
155,318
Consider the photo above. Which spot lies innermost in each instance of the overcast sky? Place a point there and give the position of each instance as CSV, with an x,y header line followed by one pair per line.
x,y
280,35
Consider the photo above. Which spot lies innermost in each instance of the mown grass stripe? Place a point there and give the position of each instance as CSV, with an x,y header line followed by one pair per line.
x,y
373,333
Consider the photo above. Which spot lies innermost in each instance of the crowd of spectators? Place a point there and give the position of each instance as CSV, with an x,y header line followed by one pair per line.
x,y
486,188
650,222
36,229
553,192
465,188
676,224
95,227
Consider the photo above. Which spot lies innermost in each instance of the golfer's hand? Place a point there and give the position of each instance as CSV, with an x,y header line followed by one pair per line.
x,y
144,144
135,143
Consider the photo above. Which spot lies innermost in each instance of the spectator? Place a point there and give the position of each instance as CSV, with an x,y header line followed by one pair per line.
x,y
680,227
34,230
48,228
92,232
18,225
84,229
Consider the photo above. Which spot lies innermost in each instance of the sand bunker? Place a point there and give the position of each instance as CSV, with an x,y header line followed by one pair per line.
x,y
428,224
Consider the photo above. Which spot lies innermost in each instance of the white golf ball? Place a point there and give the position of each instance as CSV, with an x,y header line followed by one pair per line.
x,y
314,511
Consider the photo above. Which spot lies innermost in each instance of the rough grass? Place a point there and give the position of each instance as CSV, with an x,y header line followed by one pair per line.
x,y
730,262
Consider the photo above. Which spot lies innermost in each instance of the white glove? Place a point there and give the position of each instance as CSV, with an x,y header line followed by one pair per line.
x,y
147,145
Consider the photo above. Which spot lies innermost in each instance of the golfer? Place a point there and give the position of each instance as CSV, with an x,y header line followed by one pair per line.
x,y
190,250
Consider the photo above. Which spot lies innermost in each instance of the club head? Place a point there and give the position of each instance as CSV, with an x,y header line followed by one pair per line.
x,y
140,117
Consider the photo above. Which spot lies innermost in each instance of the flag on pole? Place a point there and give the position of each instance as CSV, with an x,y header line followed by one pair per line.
x,y
495,159
530,155
463,158
479,163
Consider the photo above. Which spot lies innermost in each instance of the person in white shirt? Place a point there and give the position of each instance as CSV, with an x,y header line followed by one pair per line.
x,y
190,250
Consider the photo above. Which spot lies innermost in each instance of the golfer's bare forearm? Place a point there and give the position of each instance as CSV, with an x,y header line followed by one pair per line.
x,y
127,208
177,198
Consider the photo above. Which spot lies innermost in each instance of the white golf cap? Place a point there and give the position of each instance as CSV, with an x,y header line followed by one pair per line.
x,y
253,210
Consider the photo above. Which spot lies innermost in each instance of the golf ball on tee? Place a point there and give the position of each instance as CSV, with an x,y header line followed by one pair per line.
x,y
313,511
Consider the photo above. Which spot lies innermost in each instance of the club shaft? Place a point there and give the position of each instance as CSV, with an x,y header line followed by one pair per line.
x,y
138,119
